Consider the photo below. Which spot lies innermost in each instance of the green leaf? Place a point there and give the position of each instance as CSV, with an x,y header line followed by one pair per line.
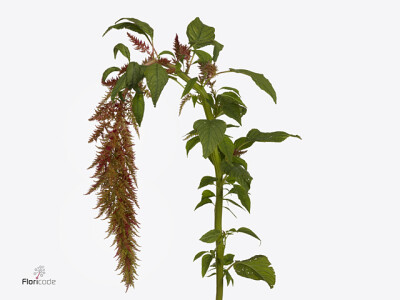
x,y
205,264
228,209
230,89
226,146
230,180
231,108
191,143
198,255
217,49
207,180
167,52
234,203
120,84
126,25
124,51
228,277
240,161
144,27
203,202
211,236
203,56
249,232
138,107
228,259
243,196
207,194
259,79
108,72
194,100
258,268
199,34
211,133
134,74
156,78
189,86
242,143
238,172
255,135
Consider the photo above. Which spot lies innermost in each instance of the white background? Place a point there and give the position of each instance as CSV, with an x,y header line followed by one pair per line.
x,y
326,207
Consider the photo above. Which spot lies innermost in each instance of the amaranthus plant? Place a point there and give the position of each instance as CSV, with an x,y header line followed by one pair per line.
x,y
123,107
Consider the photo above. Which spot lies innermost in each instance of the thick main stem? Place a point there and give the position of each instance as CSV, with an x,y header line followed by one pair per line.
x,y
219,262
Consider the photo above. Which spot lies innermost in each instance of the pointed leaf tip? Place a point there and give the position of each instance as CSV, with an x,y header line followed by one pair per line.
x,y
259,79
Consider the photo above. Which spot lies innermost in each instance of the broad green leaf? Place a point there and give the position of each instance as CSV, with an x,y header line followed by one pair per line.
x,y
226,146
199,34
242,143
230,89
120,84
134,74
259,79
233,97
211,133
230,180
138,107
198,255
240,161
243,196
126,25
205,263
167,52
228,277
232,126
203,56
203,201
191,143
255,135
238,172
108,72
207,194
217,49
156,78
146,28
231,108
228,259
249,232
189,86
124,51
211,236
258,268
206,180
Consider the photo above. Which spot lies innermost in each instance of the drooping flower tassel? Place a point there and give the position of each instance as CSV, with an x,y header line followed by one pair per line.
x,y
115,181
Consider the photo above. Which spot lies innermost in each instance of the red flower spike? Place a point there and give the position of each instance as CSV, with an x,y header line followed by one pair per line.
x,y
115,181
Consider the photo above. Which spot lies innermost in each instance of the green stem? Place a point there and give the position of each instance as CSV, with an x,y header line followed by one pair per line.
x,y
218,225
216,158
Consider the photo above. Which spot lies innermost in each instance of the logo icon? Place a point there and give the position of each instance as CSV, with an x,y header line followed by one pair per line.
x,y
39,271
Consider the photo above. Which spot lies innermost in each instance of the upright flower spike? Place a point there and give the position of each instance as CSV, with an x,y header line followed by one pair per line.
x,y
115,181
